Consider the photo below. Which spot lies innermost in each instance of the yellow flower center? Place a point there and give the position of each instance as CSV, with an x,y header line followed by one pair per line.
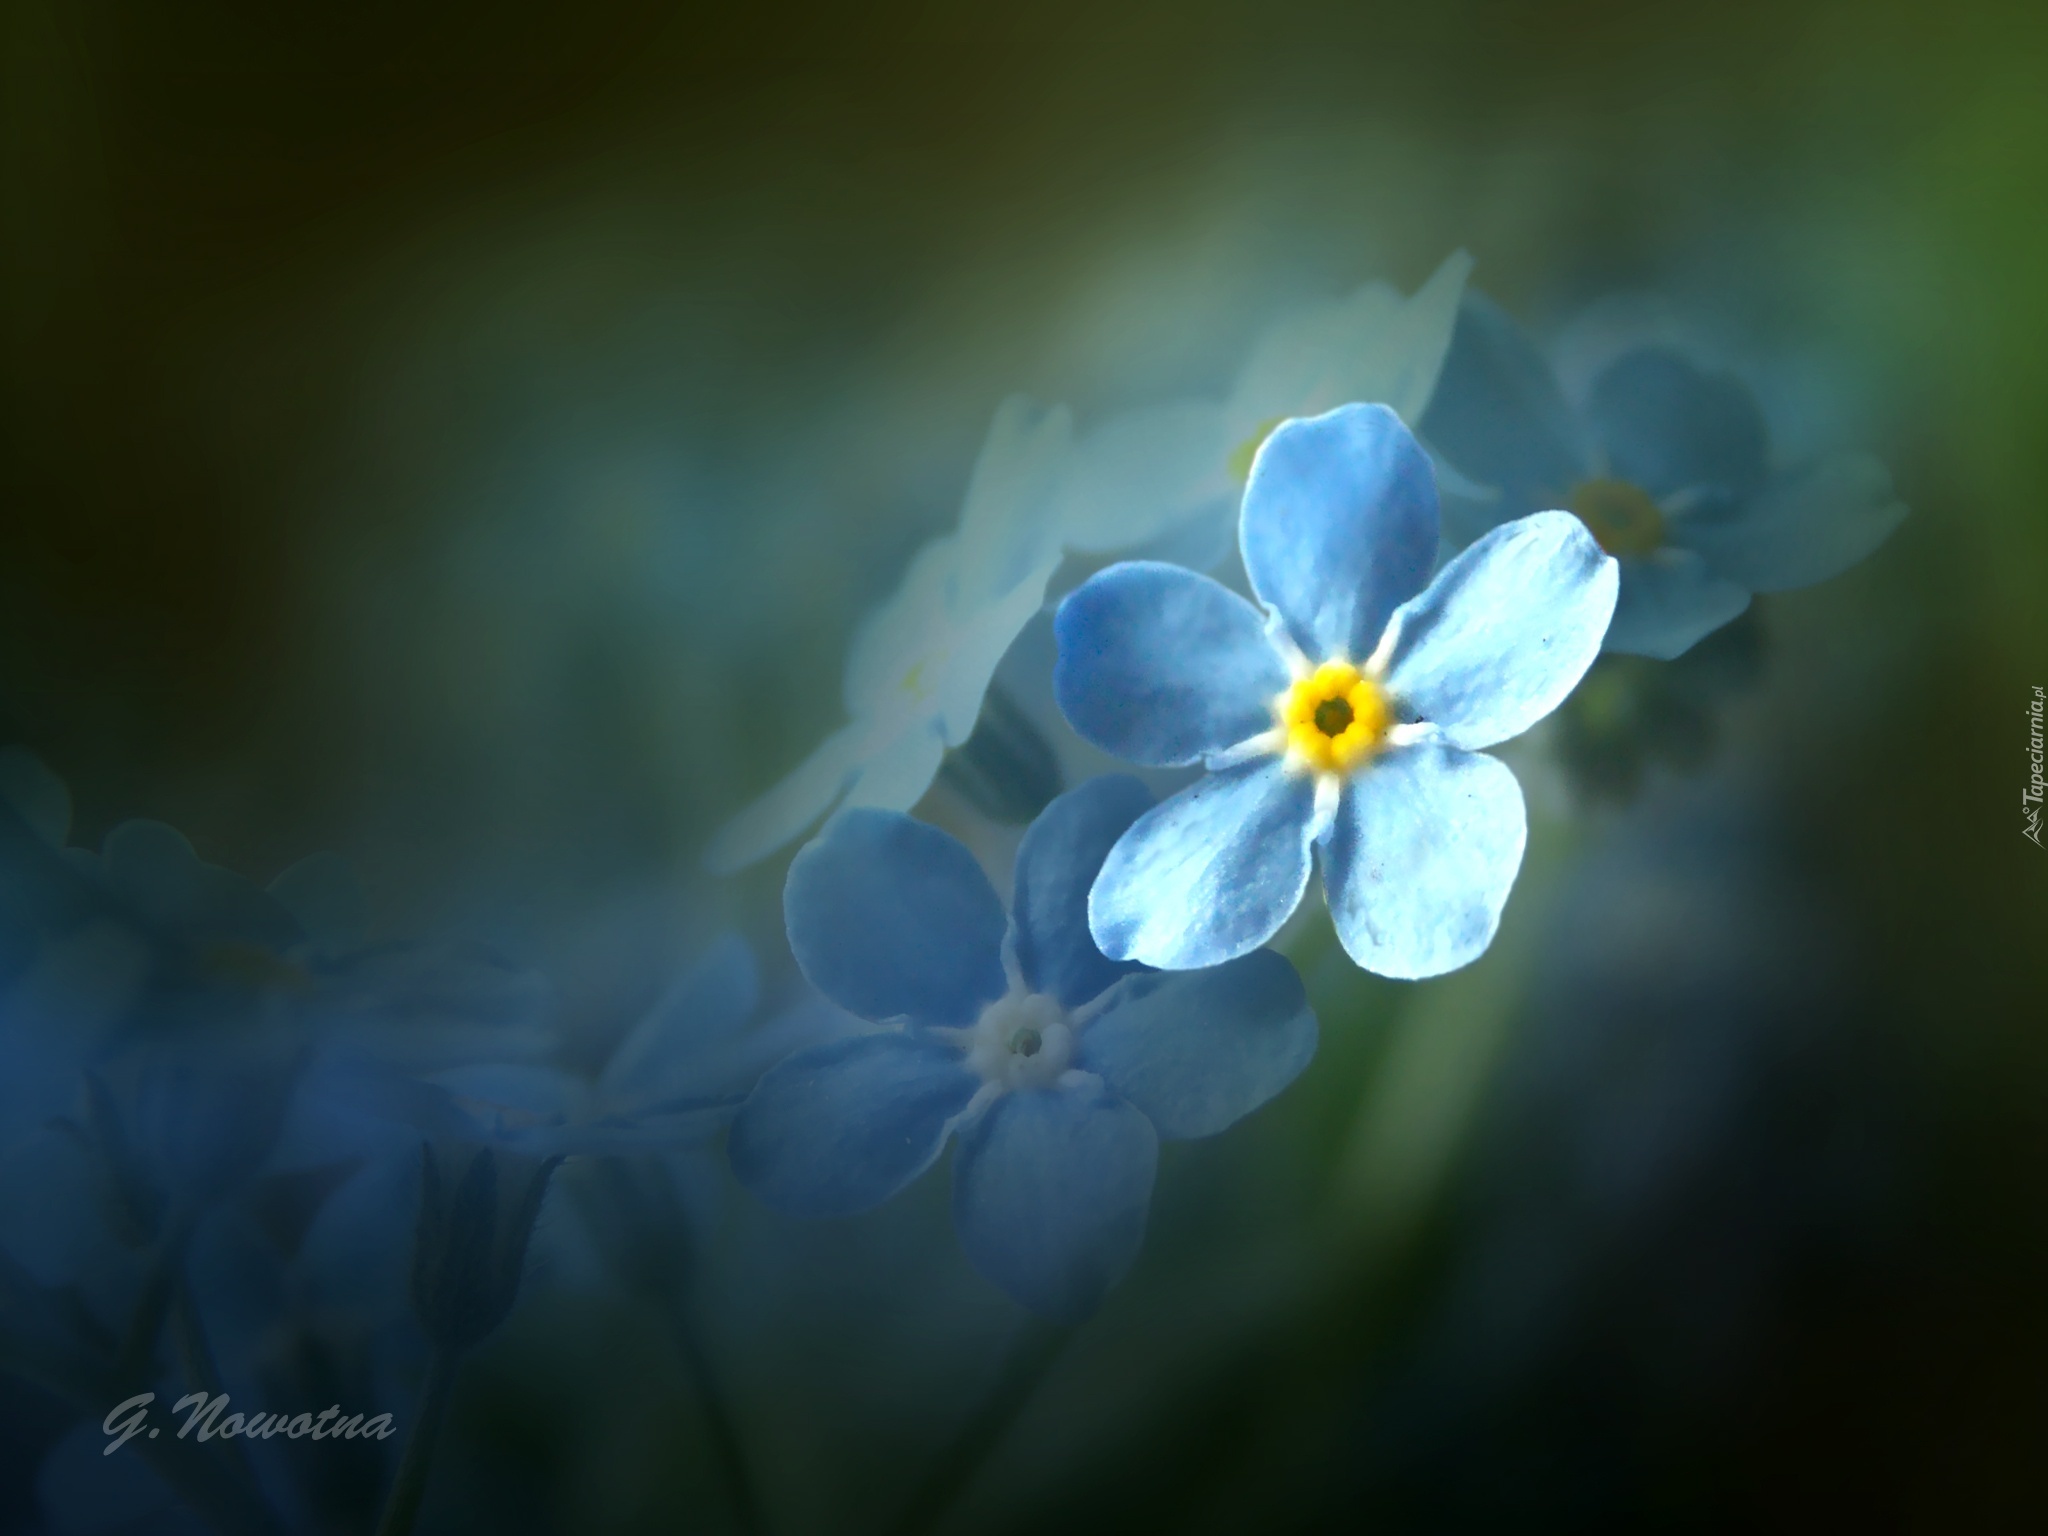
x,y
1620,515
1240,461
1335,718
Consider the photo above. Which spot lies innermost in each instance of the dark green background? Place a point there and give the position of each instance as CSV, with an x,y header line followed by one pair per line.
x,y
301,313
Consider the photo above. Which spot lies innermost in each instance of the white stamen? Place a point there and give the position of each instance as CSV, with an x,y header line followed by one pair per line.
x,y
1013,968
1265,744
1376,664
1329,791
1298,665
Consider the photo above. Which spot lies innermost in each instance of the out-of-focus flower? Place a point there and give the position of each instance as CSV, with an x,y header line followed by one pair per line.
x,y
1632,714
921,663
673,1082
1059,1068
469,1252
1158,472
1347,717
1668,465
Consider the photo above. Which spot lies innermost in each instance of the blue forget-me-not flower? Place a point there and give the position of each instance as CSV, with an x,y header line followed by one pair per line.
x,y
1347,717
1058,1068
1667,463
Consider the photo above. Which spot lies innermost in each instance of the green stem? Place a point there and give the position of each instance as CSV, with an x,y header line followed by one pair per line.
x,y
725,1438
1030,1360
410,1485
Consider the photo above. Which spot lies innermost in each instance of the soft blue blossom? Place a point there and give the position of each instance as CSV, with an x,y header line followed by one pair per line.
x,y
672,1082
1668,464
1174,471
918,668
1345,719
1058,1068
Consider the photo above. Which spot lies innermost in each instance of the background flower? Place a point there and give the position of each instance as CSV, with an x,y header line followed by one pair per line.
x,y
1057,1068
920,664
1174,472
1668,464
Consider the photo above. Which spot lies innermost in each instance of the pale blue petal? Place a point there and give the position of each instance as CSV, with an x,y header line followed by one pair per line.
x,y
843,1126
1199,1050
891,919
1139,475
1668,602
898,643
1667,425
780,816
1505,631
665,1053
1056,864
1050,1193
898,775
1801,528
1425,848
1009,523
1209,875
1340,527
1498,414
1160,666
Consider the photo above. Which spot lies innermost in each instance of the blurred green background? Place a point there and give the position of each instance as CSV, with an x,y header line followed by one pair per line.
x,y
466,438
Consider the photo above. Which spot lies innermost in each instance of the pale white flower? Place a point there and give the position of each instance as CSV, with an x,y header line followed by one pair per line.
x,y
921,663
1176,471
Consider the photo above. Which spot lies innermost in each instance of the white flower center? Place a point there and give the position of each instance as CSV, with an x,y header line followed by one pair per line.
x,y
1022,1040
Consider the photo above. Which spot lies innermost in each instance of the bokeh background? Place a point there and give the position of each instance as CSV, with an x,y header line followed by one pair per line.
x,y
464,438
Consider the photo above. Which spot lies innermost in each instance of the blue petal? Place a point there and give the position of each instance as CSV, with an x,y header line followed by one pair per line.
x,y
1050,1193
1668,602
1209,875
1199,1050
1801,528
1340,527
664,1054
1056,864
893,919
1667,425
843,1126
1424,850
1160,666
1498,414
1505,631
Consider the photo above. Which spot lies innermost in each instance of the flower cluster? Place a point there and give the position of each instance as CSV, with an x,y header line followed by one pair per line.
x,y
1666,462
237,1127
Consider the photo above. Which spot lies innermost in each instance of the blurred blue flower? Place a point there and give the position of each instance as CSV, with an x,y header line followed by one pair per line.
x,y
1058,1067
1346,718
1176,470
920,664
1667,464
672,1082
